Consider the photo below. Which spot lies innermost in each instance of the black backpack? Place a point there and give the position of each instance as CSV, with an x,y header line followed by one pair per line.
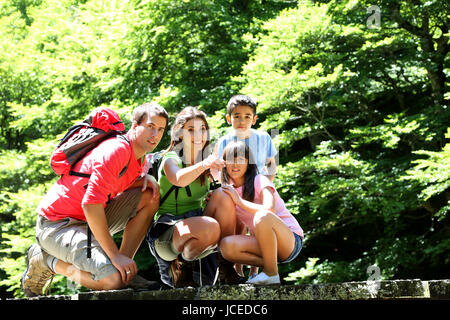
x,y
155,162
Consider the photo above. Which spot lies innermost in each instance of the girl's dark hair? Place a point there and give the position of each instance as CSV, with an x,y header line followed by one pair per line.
x,y
236,149
182,117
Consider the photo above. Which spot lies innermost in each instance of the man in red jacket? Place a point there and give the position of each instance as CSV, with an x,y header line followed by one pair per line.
x,y
106,201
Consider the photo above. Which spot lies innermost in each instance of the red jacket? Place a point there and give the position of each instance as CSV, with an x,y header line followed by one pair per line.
x,y
104,163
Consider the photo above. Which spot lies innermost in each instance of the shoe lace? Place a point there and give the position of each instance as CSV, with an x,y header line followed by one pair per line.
x,y
44,278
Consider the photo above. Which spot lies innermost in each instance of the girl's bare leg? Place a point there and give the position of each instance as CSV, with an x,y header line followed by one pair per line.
x,y
273,241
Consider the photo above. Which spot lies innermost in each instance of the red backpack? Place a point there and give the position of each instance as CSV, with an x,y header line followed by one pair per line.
x,y
101,124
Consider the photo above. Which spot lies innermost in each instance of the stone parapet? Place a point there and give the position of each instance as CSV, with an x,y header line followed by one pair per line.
x,y
365,290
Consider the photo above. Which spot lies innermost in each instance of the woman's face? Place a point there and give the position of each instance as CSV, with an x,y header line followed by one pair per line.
x,y
237,167
195,136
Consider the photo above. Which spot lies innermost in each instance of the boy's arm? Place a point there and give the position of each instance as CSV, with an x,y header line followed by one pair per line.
x,y
271,164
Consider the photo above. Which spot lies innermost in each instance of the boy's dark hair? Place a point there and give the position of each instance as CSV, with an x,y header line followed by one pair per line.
x,y
241,100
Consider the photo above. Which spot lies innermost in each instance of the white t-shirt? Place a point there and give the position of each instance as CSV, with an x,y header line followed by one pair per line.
x,y
260,144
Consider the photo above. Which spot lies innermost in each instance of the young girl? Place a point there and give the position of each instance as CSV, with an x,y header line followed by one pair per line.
x,y
275,234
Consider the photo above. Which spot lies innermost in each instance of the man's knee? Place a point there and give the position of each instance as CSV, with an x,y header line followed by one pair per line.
x,y
112,282
149,201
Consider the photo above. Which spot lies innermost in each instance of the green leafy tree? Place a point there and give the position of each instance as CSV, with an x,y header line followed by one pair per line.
x,y
353,105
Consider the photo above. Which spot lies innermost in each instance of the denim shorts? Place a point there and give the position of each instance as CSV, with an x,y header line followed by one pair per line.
x,y
297,248
158,228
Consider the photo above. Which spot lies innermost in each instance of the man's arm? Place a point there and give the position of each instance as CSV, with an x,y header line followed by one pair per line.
x,y
96,219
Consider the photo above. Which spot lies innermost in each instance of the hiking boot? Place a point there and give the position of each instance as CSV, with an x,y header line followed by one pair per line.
x,y
138,283
227,273
37,272
181,272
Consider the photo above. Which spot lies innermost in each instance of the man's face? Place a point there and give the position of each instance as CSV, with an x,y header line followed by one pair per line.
x,y
242,118
149,132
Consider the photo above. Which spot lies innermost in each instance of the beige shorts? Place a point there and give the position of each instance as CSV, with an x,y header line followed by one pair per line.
x,y
66,239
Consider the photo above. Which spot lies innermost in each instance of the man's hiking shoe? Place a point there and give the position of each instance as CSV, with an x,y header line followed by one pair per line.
x,y
37,272
140,284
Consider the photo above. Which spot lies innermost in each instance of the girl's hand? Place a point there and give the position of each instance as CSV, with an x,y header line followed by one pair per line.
x,y
232,193
253,271
239,269
208,196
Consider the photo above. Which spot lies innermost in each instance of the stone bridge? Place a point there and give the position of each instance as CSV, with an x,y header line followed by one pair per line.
x,y
365,290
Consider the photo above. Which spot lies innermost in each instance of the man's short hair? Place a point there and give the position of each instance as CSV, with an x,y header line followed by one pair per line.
x,y
149,109
241,100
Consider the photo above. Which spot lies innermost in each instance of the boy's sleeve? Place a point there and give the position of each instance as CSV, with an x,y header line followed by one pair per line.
x,y
271,149
220,146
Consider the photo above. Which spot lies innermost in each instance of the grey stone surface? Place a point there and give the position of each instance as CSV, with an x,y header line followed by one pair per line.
x,y
364,290
173,294
125,294
439,289
226,292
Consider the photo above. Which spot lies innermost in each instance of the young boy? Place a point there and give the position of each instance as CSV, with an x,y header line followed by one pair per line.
x,y
241,114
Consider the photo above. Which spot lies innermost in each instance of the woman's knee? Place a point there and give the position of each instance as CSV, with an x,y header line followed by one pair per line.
x,y
220,196
211,230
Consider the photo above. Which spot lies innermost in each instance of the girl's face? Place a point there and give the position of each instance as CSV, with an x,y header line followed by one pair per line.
x,y
195,136
236,168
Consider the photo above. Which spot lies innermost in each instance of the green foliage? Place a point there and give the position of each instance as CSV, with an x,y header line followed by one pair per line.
x,y
354,109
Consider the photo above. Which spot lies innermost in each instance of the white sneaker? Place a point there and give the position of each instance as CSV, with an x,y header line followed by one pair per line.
x,y
262,278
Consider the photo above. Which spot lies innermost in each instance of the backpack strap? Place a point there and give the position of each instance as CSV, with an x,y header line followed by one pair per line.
x,y
176,188
88,175
122,172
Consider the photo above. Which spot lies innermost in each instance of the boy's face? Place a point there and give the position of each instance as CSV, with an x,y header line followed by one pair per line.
x,y
242,118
